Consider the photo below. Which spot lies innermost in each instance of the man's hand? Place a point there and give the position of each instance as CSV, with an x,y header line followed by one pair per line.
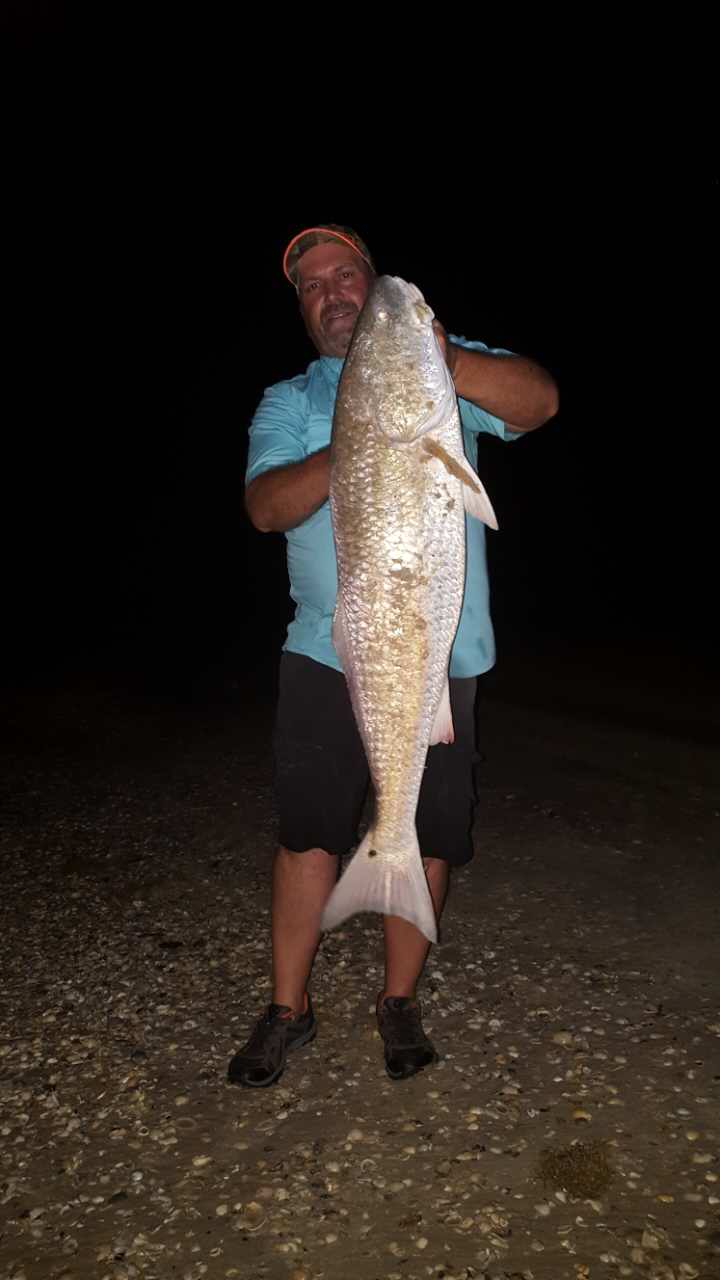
x,y
448,348
281,498
513,388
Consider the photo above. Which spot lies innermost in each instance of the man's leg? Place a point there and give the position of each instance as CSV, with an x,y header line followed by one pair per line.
x,y
302,883
407,1048
406,948
321,780
444,820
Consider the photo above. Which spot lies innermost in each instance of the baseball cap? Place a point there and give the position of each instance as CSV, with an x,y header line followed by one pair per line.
x,y
311,236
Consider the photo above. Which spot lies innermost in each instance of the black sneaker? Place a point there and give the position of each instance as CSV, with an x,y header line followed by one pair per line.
x,y
262,1060
407,1048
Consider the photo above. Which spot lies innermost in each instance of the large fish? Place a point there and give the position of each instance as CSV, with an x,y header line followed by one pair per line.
x,y
399,488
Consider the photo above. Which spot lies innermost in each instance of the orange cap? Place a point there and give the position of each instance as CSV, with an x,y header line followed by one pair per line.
x,y
311,236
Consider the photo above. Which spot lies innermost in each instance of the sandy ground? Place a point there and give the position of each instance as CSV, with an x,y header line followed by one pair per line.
x,y
574,999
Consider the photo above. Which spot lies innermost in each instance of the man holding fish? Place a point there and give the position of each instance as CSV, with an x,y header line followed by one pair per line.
x,y
386,558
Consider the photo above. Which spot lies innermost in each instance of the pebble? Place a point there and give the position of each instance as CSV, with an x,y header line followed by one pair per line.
x,y
562,1037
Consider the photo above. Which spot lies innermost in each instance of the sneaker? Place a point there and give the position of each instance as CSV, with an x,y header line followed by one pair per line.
x,y
262,1060
407,1048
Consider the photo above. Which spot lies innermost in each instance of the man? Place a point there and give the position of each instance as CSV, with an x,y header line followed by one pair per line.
x,y
321,772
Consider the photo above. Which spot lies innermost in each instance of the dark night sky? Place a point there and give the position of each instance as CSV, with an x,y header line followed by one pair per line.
x,y
149,312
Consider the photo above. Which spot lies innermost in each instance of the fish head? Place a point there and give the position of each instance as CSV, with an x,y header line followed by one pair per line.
x,y
407,383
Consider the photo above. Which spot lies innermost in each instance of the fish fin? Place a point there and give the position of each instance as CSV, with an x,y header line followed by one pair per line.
x,y
339,636
475,498
476,501
374,882
443,729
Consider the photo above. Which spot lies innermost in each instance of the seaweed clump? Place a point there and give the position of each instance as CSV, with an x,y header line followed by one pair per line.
x,y
581,1169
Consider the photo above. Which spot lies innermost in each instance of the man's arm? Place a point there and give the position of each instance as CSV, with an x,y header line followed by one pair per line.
x,y
512,388
283,497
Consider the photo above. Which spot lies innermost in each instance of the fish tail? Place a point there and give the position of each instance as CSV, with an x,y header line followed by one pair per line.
x,y
372,882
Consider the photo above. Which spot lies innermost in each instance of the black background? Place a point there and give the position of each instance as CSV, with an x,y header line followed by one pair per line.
x,y
146,312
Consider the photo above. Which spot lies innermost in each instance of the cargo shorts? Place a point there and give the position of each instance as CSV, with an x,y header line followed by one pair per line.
x,y
322,777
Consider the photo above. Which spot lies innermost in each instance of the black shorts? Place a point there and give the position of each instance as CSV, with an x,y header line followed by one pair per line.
x,y
321,773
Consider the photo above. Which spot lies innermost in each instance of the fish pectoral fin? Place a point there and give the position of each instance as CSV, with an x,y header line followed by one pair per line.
x,y
475,498
443,729
476,501
394,886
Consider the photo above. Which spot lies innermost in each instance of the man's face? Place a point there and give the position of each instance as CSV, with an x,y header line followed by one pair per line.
x,y
333,283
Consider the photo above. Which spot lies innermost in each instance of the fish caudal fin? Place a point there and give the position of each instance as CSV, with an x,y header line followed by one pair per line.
x,y
374,883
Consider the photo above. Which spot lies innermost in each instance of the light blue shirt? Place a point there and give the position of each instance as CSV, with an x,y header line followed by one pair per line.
x,y
293,420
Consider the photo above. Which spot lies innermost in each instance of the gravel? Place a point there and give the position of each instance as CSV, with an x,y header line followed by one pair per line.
x,y
573,999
